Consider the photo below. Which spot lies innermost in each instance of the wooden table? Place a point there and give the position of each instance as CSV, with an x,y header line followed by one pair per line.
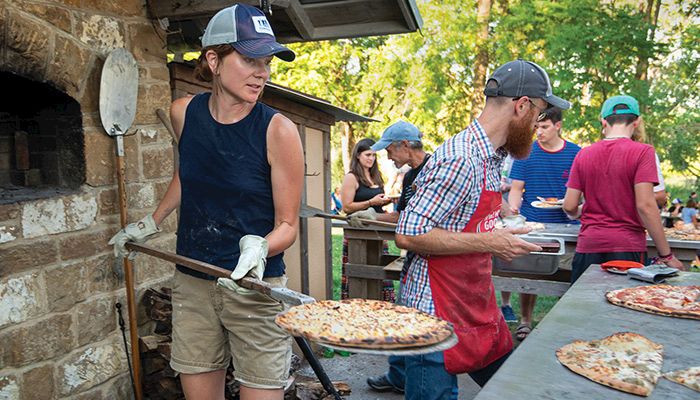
x,y
365,266
533,372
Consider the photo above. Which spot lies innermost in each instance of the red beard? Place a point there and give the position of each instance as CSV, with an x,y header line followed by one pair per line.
x,y
520,137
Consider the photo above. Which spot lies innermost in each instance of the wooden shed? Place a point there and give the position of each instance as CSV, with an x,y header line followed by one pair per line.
x,y
309,263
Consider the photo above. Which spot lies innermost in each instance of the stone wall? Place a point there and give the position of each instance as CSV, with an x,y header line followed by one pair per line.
x,y
58,278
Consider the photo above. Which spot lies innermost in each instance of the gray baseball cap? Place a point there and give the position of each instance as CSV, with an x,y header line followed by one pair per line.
x,y
397,132
246,29
523,78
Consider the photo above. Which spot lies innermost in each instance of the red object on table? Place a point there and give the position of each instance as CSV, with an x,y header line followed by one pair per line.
x,y
621,265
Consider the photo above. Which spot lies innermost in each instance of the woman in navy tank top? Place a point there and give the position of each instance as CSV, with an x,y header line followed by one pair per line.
x,y
363,187
238,189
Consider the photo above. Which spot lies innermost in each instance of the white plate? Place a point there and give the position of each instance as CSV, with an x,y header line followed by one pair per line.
x,y
617,271
545,206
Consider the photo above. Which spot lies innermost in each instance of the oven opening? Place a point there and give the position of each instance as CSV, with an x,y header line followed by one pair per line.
x,y
41,141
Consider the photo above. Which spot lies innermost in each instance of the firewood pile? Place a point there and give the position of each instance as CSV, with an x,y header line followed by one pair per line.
x,y
160,381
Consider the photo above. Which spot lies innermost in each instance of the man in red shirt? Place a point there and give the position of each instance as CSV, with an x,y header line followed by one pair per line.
x,y
616,177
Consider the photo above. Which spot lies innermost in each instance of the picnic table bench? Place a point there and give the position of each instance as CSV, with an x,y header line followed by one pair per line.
x,y
533,371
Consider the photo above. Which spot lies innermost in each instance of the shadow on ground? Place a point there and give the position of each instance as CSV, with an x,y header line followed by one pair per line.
x,y
355,369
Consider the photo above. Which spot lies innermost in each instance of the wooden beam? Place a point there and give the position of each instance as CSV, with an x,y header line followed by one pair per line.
x,y
301,20
304,227
177,10
327,228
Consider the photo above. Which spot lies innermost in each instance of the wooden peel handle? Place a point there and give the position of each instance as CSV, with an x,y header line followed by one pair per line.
x,y
200,266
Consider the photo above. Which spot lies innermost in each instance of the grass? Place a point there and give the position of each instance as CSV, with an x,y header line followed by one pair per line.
x,y
544,303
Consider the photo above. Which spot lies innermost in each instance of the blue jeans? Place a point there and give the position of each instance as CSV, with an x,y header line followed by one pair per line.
x,y
425,378
396,375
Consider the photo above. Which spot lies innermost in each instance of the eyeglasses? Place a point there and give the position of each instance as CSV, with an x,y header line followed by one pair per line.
x,y
542,115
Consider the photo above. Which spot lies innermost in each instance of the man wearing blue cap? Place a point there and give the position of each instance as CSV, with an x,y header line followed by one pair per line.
x,y
402,141
449,224
616,177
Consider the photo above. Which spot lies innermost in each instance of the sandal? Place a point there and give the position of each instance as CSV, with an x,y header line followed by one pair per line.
x,y
522,331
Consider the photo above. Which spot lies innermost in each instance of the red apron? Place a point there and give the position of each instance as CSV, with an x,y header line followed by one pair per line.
x,y
463,294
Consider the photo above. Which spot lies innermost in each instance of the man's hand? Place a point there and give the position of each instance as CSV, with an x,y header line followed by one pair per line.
x,y
250,263
137,232
354,218
504,244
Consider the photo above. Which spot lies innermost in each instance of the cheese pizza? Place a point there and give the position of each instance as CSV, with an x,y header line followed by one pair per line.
x,y
673,301
624,361
362,323
687,377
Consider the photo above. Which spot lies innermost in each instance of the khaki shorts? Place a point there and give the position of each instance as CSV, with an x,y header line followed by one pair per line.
x,y
565,260
213,326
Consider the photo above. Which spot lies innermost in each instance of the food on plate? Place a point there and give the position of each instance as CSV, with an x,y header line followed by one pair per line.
x,y
687,377
535,226
362,323
672,301
551,200
542,204
682,234
624,361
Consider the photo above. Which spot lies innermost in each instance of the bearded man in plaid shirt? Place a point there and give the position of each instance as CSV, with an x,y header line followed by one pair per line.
x,y
449,224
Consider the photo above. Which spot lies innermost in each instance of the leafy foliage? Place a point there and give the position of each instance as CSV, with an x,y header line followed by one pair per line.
x,y
592,49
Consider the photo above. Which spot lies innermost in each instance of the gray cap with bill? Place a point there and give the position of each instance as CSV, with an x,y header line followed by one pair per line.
x,y
523,78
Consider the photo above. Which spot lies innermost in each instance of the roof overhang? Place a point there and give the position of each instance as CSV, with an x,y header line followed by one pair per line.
x,y
292,20
316,103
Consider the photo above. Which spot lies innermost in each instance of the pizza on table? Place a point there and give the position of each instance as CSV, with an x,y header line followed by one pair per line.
x,y
673,301
624,361
688,377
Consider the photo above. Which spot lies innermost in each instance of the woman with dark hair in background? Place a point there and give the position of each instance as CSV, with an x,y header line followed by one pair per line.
x,y
363,189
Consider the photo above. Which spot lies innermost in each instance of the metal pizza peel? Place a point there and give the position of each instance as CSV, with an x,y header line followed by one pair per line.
x,y
446,344
307,211
280,294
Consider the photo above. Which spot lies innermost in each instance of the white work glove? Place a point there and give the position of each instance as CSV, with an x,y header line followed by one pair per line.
x,y
250,263
134,232
354,218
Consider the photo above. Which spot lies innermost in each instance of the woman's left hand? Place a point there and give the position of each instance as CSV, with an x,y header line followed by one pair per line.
x,y
379,200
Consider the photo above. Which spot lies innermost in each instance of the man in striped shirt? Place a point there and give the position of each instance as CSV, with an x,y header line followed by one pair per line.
x,y
542,175
449,224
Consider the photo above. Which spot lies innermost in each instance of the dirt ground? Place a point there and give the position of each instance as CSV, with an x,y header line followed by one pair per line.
x,y
356,368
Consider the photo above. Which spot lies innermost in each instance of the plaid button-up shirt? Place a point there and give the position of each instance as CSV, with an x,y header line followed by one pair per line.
x,y
448,190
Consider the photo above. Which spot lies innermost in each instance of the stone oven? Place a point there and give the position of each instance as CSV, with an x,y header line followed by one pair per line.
x,y
59,281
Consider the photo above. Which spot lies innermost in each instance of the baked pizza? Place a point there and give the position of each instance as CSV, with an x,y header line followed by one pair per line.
x,y
687,377
362,323
624,361
673,301
682,234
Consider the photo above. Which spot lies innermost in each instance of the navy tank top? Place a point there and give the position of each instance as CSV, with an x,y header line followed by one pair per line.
x,y
226,187
364,193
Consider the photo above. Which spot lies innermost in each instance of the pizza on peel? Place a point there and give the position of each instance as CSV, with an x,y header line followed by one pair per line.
x,y
673,301
362,323
624,361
